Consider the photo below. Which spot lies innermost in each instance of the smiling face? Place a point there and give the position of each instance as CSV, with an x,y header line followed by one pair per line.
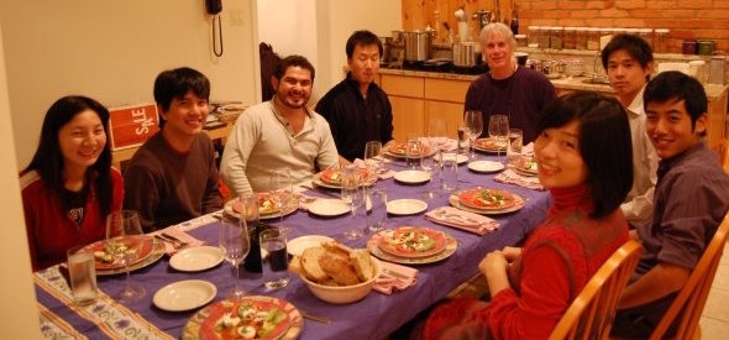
x,y
82,140
364,63
186,116
294,88
627,76
669,127
558,157
498,53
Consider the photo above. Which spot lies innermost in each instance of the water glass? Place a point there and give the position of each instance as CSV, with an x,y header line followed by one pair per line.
x,y
516,138
353,195
235,243
414,153
449,174
121,227
377,215
82,275
464,139
275,259
474,120
373,158
499,131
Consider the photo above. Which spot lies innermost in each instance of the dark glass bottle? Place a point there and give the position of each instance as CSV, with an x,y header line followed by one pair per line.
x,y
514,25
252,263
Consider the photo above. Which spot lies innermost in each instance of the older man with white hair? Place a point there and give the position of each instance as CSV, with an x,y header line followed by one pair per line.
x,y
508,88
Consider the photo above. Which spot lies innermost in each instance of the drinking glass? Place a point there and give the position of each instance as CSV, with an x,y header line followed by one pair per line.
x,y
414,152
276,262
516,141
499,131
352,195
282,191
437,137
82,275
464,138
377,213
236,244
473,119
249,203
373,159
122,227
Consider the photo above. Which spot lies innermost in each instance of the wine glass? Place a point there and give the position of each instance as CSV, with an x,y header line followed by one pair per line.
x,y
474,120
437,137
499,131
373,159
352,194
282,192
123,242
236,244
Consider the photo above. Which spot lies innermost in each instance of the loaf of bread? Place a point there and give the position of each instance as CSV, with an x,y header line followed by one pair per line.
x,y
334,264
338,268
362,264
310,264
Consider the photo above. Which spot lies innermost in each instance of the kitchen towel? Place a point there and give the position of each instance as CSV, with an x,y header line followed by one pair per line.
x,y
463,220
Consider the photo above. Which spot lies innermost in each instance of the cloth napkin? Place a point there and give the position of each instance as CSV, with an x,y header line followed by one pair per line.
x,y
394,277
450,145
180,235
384,173
463,220
528,150
512,177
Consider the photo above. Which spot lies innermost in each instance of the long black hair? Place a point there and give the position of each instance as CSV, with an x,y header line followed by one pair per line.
x,y
605,145
48,158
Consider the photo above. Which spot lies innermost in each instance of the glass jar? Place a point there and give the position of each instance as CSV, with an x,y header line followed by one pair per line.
x,y
706,47
543,37
689,47
581,38
569,38
533,36
556,37
593,39
660,39
647,35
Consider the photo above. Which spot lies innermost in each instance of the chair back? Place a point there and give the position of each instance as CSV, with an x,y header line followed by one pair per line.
x,y
686,309
591,314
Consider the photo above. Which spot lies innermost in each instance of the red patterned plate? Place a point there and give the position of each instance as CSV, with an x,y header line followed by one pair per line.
x,y
334,176
251,317
104,260
400,150
489,145
487,199
526,165
412,242
266,205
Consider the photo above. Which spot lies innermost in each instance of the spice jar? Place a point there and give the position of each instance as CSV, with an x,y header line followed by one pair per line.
x,y
533,36
660,39
706,47
569,41
593,38
581,38
689,47
556,37
544,37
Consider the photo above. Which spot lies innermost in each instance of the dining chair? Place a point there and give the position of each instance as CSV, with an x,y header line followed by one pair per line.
x,y
724,155
591,314
686,309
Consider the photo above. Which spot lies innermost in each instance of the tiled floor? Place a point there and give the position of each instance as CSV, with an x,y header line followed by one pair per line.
x,y
714,321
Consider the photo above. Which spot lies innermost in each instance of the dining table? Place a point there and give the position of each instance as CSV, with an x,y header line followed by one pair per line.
x,y
374,317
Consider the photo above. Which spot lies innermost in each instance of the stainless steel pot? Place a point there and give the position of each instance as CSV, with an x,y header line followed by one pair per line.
x,y
417,45
466,54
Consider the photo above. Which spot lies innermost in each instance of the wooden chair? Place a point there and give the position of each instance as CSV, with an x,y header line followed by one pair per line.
x,y
686,309
592,312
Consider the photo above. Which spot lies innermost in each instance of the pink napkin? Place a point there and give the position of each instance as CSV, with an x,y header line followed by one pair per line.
x,y
510,176
449,146
394,277
180,235
304,200
464,220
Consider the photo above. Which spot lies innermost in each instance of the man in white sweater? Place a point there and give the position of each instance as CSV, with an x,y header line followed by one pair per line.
x,y
279,134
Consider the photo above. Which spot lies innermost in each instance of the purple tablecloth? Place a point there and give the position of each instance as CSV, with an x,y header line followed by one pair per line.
x,y
372,318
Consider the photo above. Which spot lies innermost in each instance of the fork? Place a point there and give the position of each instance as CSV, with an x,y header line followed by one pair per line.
x,y
176,244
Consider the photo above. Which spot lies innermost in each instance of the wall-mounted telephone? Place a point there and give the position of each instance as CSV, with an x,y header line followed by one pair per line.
x,y
214,6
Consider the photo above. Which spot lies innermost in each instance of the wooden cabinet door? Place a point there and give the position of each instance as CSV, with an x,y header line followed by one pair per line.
x,y
452,113
408,116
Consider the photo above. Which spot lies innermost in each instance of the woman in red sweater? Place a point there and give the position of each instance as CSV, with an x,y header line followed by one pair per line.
x,y
584,157
69,186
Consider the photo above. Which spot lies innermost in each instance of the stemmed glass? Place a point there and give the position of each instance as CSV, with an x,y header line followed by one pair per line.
x,y
437,137
499,131
236,244
373,159
473,119
352,194
282,191
122,228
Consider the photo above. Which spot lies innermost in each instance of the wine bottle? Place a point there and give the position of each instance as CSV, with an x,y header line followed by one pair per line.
x,y
252,263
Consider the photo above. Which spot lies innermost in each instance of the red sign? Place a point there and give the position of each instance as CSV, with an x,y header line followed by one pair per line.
x,y
131,125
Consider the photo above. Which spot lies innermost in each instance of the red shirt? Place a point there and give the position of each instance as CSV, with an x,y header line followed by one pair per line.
x,y
51,230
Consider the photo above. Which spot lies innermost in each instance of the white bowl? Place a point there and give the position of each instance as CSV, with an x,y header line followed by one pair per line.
x,y
344,294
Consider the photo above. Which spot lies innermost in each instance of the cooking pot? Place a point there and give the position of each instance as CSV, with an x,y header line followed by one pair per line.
x,y
417,45
466,54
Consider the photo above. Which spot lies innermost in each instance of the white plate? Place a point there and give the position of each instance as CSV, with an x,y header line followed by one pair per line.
x,y
184,295
406,206
297,246
486,166
412,176
195,259
329,207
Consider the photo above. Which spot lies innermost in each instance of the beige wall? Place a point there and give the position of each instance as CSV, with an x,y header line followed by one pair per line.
x,y
112,50
19,314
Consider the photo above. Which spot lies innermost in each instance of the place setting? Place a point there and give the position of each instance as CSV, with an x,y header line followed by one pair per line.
x,y
486,201
412,245
462,220
269,205
522,171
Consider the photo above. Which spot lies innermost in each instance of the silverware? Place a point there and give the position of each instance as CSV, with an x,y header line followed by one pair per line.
x,y
173,238
318,318
175,243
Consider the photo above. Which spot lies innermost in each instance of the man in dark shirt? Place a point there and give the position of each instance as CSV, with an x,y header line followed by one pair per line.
x,y
357,110
691,198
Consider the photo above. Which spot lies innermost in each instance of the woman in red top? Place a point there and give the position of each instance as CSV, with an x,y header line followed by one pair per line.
x,y
69,187
584,157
